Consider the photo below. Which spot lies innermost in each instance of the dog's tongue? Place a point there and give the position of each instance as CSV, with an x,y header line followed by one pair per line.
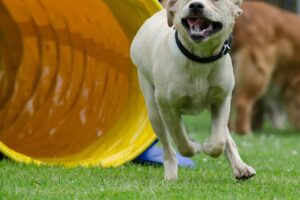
x,y
193,22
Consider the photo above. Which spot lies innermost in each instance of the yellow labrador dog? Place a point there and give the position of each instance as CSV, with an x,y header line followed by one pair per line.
x,y
183,68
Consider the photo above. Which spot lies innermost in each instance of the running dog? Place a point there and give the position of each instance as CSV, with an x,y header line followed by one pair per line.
x,y
181,54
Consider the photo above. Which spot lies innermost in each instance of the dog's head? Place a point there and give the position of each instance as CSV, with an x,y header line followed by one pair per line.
x,y
200,20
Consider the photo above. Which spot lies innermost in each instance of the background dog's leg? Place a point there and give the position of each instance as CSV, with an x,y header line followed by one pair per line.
x,y
170,159
258,115
176,128
244,108
240,169
215,145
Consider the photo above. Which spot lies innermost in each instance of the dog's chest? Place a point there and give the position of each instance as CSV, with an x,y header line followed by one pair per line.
x,y
193,98
196,99
194,89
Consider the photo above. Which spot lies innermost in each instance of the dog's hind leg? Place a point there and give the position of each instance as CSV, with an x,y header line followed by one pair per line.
x,y
240,169
170,159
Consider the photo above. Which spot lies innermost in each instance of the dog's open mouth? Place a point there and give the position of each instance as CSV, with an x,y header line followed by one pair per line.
x,y
200,28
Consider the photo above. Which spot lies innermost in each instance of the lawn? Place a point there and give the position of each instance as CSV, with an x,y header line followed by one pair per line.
x,y
274,154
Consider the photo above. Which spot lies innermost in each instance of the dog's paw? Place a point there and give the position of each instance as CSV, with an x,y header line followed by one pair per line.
x,y
171,174
244,172
196,147
171,169
169,177
192,149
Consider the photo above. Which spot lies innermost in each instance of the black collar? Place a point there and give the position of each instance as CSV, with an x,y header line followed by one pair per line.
x,y
225,49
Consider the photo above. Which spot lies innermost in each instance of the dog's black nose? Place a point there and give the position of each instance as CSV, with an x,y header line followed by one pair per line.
x,y
196,6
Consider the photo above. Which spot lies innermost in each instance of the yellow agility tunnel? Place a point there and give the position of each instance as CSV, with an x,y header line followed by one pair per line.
x,y
69,93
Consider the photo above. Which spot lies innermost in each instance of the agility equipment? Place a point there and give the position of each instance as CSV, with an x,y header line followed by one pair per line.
x,y
69,93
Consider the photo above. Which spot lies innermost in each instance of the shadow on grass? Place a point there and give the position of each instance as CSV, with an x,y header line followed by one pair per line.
x,y
1,156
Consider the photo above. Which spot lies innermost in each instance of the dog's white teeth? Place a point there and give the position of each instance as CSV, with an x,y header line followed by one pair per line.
x,y
197,30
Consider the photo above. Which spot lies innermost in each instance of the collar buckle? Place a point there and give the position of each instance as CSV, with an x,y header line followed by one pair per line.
x,y
226,49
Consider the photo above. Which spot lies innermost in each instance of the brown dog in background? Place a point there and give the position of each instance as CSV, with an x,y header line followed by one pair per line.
x,y
266,56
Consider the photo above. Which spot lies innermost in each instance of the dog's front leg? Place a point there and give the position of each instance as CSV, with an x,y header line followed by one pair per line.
x,y
240,169
170,159
215,145
221,139
176,128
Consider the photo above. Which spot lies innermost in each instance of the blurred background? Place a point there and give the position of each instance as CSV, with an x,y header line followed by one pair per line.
x,y
292,5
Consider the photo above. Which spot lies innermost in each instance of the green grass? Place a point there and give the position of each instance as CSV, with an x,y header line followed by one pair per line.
x,y
274,154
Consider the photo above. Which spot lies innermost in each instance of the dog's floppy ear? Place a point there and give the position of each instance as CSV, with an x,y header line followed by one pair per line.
x,y
237,10
171,8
